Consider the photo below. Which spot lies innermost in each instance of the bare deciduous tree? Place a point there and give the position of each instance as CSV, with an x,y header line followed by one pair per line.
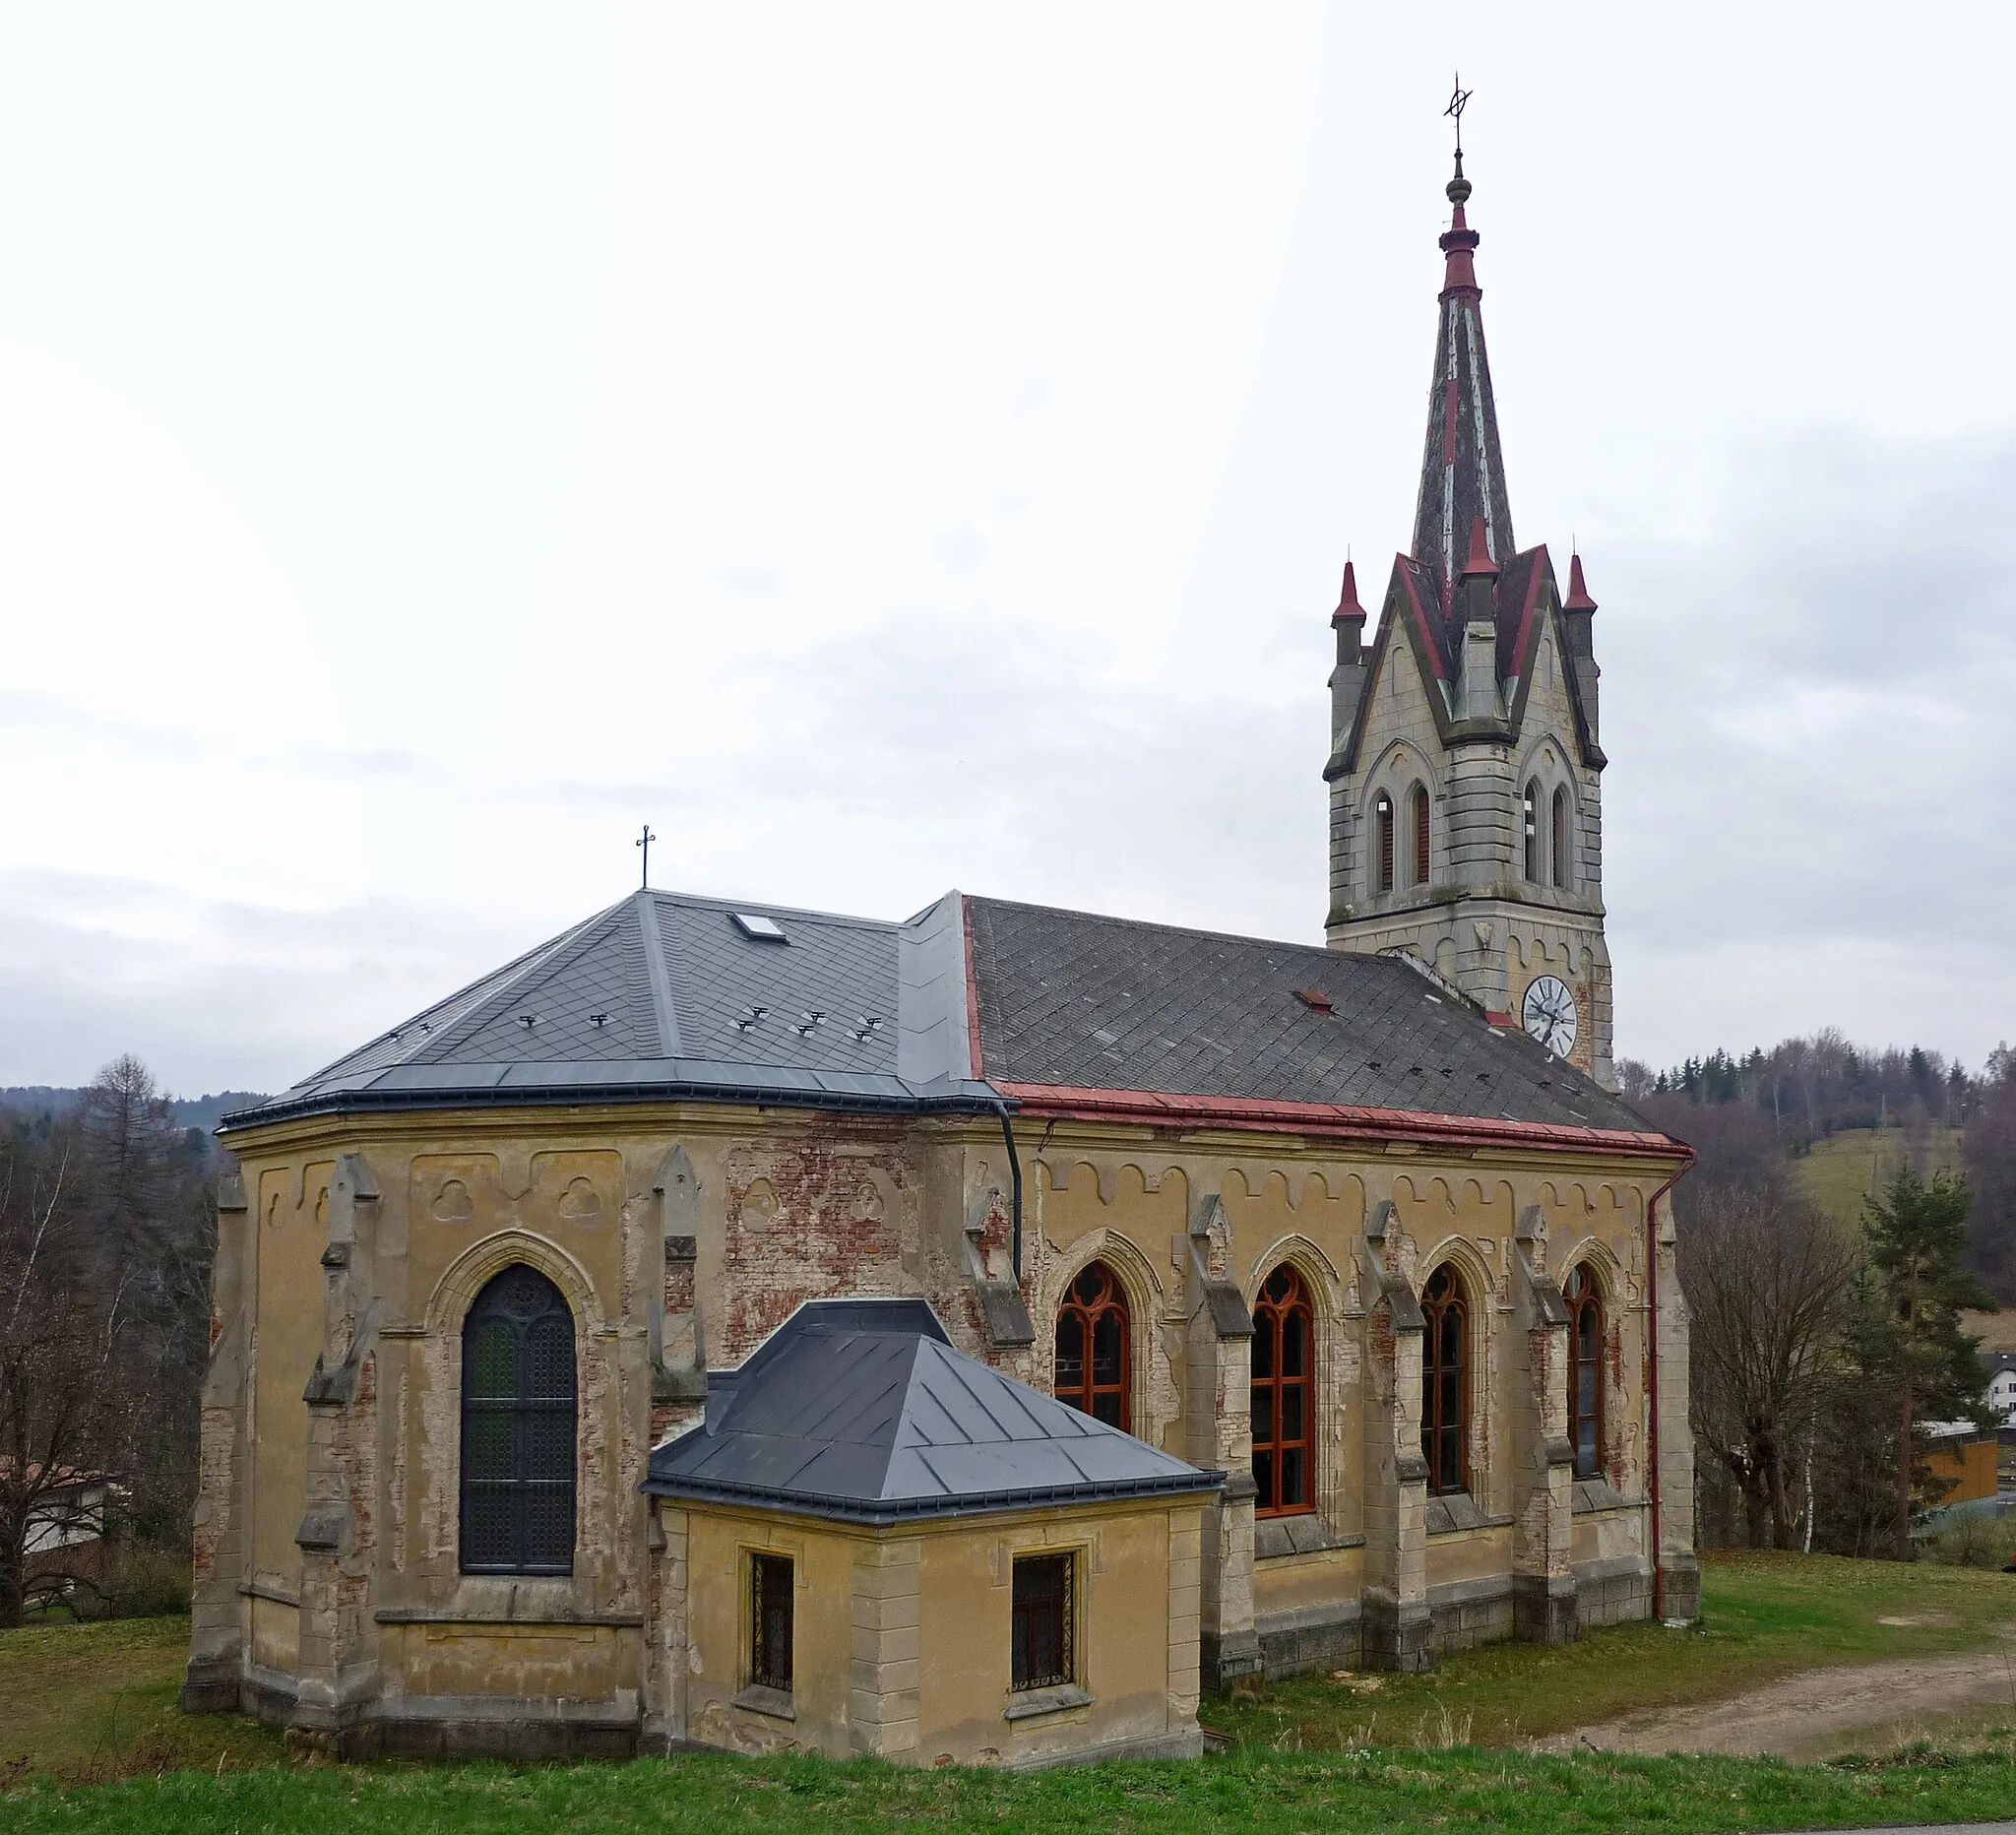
x,y
1766,1276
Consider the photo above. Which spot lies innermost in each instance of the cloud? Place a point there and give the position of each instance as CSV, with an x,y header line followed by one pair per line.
x,y
1809,713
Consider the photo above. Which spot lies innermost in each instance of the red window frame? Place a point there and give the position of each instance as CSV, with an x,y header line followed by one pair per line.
x,y
1096,1380
1585,1371
1445,1381
1283,1396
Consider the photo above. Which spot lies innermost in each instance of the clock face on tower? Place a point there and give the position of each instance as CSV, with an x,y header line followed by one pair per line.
x,y
1549,1015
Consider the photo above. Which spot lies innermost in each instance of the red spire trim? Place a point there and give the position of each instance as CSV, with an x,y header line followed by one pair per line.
x,y
1348,605
1479,561
1578,599
1458,273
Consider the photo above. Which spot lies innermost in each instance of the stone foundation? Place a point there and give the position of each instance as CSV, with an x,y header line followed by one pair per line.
x,y
1311,1638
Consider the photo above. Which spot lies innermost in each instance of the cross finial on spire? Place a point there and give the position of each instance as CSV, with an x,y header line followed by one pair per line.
x,y
644,841
1459,186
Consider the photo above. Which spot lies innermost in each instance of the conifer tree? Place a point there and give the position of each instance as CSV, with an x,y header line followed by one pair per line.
x,y
1918,1247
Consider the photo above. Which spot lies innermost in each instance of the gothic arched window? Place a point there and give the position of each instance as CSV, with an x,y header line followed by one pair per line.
x,y
1382,824
1282,1410
1445,1381
1531,813
518,1429
1093,1347
1558,838
1585,1372
1418,804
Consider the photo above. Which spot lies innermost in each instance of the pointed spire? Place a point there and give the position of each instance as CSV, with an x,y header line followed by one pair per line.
x,y
1463,473
1578,599
1348,605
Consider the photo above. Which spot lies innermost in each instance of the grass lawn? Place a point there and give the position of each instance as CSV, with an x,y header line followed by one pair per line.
x,y
1316,1753
1764,1615
1836,1174
1257,1796
80,1701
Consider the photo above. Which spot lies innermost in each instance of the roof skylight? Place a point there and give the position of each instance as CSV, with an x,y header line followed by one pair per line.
x,y
763,930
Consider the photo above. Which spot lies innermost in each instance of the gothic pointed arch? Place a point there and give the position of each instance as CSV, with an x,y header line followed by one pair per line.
x,y
1094,1347
1283,1400
1447,1377
1582,1292
520,1421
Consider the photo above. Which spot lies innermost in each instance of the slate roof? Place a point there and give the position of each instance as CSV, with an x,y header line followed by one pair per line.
x,y
664,996
1104,1004
861,1410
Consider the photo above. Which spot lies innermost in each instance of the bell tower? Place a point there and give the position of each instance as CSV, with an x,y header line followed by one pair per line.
x,y
1465,813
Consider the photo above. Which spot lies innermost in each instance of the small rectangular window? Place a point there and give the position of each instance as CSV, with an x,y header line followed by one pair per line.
x,y
1043,1585
769,1622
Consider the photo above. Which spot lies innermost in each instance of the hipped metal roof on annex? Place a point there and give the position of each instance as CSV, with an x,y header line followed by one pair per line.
x,y
972,1005
860,1411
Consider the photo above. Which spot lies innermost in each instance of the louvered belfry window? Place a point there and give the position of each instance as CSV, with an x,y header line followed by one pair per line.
x,y
1421,861
1558,837
518,1429
1383,820
1531,815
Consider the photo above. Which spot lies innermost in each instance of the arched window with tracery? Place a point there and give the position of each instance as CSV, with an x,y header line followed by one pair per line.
x,y
1530,810
518,1429
1282,1398
1382,844
1094,1347
1558,838
1585,1371
1445,1381
1417,801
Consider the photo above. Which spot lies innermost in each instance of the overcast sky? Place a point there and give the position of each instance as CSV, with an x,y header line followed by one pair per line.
x,y
893,449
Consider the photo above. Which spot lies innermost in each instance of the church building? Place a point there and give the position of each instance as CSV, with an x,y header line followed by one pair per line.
x,y
971,1337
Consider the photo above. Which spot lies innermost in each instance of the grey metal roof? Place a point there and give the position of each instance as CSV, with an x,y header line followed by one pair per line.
x,y
861,1410
1105,1003
665,996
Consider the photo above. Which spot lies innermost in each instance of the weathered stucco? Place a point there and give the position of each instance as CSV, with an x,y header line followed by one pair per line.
x,y
330,1595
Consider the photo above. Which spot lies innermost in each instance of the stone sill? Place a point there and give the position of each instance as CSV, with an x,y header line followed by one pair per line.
x,y
1455,1513
278,1596
1278,1538
1595,1495
774,1702
426,1614
1034,1701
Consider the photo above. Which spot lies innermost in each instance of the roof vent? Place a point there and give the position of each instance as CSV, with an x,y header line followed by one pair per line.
x,y
761,929
1314,999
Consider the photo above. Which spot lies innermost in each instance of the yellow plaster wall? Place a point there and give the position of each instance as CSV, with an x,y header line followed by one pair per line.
x,y
1470,1554
290,1230
961,1616
578,1662
822,1554
965,1595
1289,1582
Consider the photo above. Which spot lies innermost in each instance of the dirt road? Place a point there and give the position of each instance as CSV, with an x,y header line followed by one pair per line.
x,y
1865,1707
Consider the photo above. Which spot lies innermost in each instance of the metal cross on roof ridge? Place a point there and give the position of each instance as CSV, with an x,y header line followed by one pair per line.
x,y
644,841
